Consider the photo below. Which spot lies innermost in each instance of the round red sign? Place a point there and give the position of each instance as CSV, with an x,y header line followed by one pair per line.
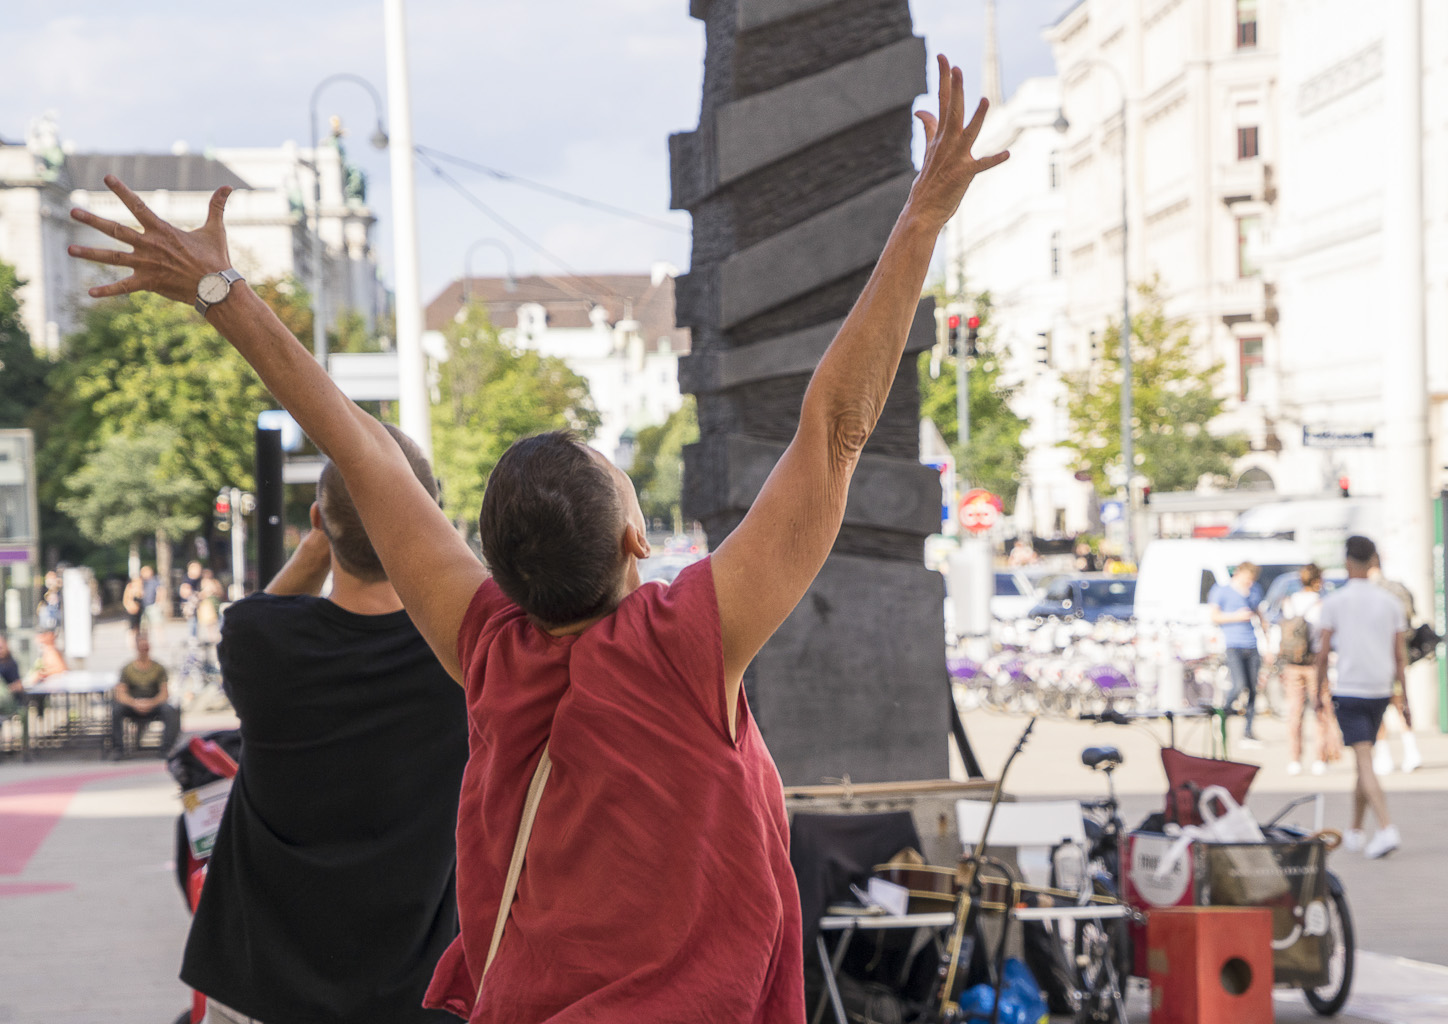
x,y
979,510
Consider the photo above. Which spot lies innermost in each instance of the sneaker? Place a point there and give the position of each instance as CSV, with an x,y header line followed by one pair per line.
x,y
1319,767
1382,759
1354,839
1294,767
1383,843
1412,760
1251,742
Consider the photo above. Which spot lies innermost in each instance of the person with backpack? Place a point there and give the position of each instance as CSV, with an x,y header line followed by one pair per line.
x,y
1298,643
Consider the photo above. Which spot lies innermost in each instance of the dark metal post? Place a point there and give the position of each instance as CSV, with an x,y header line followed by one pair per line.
x,y
270,553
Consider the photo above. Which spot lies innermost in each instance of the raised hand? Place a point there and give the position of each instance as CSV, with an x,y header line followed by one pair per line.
x,y
948,167
163,259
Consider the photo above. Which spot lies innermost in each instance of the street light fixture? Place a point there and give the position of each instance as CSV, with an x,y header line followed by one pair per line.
x,y
379,141
1128,452
468,266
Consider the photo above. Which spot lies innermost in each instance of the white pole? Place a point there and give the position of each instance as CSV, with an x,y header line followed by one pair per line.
x,y
1407,504
238,546
410,369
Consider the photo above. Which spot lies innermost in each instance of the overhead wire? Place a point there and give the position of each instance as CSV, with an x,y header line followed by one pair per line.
x,y
557,193
517,233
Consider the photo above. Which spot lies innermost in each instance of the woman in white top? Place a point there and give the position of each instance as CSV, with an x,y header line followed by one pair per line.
x,y
1297,649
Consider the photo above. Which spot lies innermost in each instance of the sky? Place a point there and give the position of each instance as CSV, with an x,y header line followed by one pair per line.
x,y
579,96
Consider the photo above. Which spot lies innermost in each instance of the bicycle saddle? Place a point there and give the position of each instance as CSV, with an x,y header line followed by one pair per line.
x,y
1105,758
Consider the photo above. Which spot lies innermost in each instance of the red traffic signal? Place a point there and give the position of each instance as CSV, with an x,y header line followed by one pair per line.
x,y
223,505
1342,485
953,321
973,323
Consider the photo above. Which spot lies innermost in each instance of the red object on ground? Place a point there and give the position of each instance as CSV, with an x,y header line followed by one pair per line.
x,y
1210,965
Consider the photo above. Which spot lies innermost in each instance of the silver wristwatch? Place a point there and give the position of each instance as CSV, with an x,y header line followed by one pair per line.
x,y
213,288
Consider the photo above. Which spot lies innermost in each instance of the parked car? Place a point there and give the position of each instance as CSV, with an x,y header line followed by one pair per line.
x,y
1089,596
1014,595
1176,576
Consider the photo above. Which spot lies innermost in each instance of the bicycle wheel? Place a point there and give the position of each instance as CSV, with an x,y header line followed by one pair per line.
x,y
1095,944
1328,999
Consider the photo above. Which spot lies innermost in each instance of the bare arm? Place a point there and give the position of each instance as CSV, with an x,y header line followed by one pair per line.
x,y
307,569
764,567
428,563
1323,652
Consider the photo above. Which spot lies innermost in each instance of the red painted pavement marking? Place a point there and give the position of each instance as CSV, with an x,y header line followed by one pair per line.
x,y
30,809
33,888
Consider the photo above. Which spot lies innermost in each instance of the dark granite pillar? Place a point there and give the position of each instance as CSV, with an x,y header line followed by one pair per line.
x,y
796,174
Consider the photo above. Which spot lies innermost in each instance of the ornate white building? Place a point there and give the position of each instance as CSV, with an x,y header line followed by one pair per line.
x,y
269,219
616,331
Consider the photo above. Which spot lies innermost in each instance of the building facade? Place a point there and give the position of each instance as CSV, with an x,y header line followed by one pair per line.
x,y
616,331
269,219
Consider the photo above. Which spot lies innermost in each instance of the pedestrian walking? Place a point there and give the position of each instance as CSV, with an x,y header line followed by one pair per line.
x,y
131,602
1299,639
1366,628
1382,752
612,742
1236,608
150,591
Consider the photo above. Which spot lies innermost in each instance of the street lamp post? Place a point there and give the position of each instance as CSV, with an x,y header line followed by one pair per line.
x,y
1128,448
379,139
468,266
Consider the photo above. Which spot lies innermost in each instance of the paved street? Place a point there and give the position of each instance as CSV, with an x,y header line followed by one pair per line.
x,y
94,923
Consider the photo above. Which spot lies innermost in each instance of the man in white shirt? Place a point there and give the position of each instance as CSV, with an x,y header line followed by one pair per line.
x,y
1366,626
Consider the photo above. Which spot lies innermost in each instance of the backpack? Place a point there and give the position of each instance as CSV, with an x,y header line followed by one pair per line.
x,y
1296,647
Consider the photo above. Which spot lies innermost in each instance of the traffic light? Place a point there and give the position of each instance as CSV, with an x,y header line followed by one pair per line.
x,y
223,512
1342,485
972,333
952,335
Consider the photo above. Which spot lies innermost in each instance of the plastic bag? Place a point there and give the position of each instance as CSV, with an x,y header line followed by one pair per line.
x,y
1021,999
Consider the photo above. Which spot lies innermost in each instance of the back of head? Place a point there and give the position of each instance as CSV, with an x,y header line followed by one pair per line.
x,y
550,525
351,548
1361,550
1247,570
1310,574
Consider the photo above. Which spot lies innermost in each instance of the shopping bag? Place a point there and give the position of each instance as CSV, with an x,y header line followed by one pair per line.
x,y
1187,776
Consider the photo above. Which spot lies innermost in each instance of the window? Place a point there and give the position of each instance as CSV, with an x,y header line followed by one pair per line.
x,y
1249,246
1055,254
1055,170
1247,142
1249,356
1246,24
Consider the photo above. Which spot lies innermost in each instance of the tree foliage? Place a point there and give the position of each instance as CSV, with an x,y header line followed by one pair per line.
x,y
993,458
488,395
658,464
22,369
134,486
1174,399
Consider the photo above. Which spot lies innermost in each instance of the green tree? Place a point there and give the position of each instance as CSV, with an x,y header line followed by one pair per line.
x,y
22,369
146,361
658,464
993,458
135,485
1174,398
488,395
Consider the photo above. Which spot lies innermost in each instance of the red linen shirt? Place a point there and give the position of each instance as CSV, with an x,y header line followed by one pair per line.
x,y
657,884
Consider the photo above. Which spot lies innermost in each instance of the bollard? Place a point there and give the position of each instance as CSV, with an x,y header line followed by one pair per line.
x,y
1210,965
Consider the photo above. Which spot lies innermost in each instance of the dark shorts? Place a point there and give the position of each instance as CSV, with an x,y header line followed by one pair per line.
x,y
1359,717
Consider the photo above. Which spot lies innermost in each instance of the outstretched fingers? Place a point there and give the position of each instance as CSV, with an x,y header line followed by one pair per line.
x,y
218,206
126,287
985,163
973,129
133,202
931,125
115,257
119,232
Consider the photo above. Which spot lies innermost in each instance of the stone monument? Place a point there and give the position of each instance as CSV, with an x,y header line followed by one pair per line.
x,y
794,178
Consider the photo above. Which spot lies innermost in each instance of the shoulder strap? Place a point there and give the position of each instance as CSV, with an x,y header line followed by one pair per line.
x,y
515,866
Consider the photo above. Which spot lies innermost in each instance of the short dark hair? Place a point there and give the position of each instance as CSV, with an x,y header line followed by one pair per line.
x,y
343,526
1360,549
550,527
1310,575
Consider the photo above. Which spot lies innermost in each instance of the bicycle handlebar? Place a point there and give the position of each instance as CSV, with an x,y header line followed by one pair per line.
x,y
1109,715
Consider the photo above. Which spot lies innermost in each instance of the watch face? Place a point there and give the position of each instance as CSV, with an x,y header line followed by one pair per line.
x,y
213,288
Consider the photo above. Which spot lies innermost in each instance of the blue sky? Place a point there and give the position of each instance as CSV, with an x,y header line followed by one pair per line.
x,y
580,96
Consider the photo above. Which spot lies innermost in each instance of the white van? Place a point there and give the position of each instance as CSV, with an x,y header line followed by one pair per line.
x,y
1177,575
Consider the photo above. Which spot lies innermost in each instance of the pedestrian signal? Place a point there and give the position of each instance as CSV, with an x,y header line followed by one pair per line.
x,y
223,512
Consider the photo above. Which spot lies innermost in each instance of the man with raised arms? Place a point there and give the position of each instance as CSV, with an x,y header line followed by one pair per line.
x,y
650,878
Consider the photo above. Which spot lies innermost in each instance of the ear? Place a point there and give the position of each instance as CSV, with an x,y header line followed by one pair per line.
x,y
316,516
635,542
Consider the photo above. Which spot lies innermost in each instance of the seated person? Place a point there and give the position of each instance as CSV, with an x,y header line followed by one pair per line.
x,y
141,694
12,692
